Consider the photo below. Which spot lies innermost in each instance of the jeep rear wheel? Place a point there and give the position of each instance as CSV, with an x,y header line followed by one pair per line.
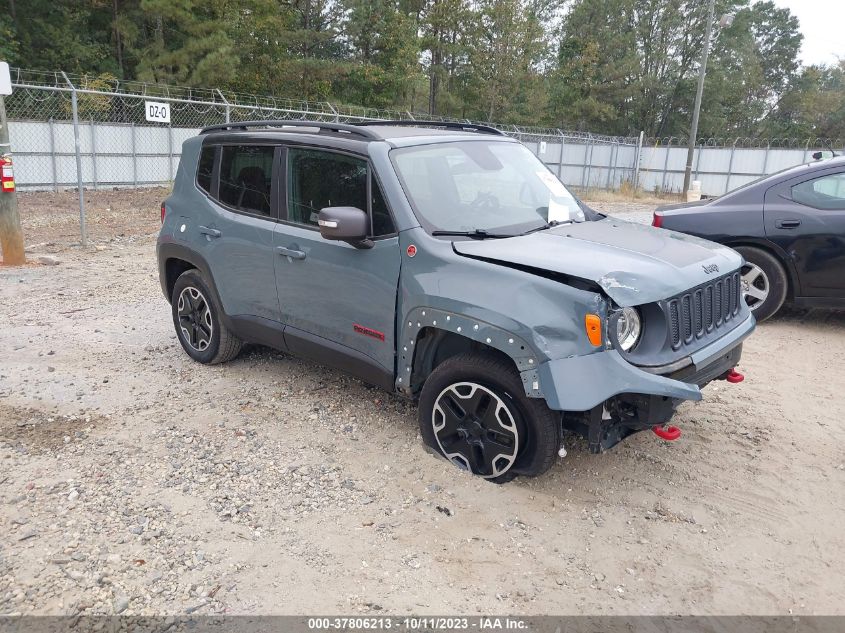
x,y
196,317
474,412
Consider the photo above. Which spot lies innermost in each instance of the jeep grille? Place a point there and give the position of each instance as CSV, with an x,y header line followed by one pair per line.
x,y
701,310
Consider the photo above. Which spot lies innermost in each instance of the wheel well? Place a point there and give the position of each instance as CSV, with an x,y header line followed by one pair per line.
x,y
433,346
790,281
173,268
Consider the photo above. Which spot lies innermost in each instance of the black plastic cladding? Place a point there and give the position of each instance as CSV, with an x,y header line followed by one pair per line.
x,y
701,310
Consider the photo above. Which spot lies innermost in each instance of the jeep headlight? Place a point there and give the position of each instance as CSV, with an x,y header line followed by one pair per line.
x,y
628,328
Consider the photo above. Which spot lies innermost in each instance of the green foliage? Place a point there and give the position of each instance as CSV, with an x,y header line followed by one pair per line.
x,y
608,66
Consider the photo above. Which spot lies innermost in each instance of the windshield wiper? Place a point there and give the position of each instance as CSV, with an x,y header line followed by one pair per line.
x,y
547,225
479,234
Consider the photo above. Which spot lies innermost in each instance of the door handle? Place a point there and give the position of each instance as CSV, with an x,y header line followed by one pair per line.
x,y
208,231
787,224
290,252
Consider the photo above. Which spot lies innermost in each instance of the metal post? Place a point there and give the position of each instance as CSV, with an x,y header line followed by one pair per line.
x,y
53,155
585,172
665,167
228,106
560,160
336,115
94,154
134,158
693,133
698,160
75,110
170,151
614,150
766,158
730,166
806,149
637,158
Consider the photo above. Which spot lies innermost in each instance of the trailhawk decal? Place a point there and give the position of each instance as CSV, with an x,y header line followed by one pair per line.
x,y
360,329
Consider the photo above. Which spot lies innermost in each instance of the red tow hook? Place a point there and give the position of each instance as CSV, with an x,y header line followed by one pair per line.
x,y
734,376
670,433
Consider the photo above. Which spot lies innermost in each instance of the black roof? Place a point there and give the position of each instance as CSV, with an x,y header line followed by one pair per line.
x,y
364,130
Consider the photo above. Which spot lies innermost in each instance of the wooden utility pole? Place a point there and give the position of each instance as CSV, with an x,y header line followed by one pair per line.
x,y
11,236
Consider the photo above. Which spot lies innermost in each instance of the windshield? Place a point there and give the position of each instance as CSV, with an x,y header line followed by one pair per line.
x,y
485,186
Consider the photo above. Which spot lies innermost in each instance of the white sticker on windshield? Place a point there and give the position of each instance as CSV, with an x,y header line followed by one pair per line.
x,y
553,184
558,212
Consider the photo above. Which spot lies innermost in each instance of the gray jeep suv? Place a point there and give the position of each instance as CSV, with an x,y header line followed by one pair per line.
x,y
446,263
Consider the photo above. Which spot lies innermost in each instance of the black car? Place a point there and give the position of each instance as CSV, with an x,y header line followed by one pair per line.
x,y
789,226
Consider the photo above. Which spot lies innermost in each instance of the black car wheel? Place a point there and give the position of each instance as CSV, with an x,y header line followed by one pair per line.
x,y
764,282
473,410
196,317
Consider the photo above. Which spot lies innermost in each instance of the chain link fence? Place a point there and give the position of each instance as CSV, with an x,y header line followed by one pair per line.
x,y
82,132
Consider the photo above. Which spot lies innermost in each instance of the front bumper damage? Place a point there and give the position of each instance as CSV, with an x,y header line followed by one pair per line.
x,y
605,398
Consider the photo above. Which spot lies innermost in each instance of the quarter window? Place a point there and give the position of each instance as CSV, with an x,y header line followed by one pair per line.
x,y
827,192
382,222
245,177
206,168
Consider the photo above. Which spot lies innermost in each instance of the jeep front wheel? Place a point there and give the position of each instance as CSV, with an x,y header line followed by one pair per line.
x,y
473,411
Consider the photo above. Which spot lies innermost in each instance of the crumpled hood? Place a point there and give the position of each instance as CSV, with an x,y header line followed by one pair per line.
x,y
633,263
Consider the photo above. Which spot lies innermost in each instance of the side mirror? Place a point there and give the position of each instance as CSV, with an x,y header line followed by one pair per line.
x,y
345,224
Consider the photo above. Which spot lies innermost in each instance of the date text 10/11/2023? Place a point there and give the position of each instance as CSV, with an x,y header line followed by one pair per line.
x,y
430,623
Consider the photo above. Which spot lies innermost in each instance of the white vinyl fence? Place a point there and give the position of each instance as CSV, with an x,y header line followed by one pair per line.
x,y
86,133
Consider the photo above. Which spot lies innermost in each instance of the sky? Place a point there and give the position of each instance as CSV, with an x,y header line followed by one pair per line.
x,y
822,26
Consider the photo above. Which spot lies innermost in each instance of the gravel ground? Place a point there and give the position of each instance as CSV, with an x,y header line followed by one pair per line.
x,y
135,481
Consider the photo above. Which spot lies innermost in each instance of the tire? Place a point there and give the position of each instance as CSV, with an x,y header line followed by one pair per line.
x,y
197,319
453,423
764,282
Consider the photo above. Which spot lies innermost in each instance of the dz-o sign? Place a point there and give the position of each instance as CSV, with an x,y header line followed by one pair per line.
x,y
157,112
5,79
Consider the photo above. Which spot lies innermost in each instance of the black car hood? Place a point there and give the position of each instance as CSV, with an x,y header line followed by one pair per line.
x,y
633,263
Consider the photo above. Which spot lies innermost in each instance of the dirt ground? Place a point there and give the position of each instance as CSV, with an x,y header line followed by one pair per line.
x,y
136,481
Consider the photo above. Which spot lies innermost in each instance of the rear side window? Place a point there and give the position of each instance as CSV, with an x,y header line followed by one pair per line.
x,y
206,168
827,192
246,177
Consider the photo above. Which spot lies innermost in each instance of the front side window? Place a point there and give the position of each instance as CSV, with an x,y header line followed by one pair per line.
x,y
246,177
318,179
827,192
491,186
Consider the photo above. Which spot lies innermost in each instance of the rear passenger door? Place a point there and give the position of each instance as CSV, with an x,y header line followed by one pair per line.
x,y
237,238
337,302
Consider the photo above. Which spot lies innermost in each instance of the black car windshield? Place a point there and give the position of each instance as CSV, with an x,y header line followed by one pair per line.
x,y
486,186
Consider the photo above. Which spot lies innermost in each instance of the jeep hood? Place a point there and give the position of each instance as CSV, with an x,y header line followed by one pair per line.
x,y
633,263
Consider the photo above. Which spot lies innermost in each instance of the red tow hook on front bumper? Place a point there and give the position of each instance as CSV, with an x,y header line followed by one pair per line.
x,y
670,433
734,376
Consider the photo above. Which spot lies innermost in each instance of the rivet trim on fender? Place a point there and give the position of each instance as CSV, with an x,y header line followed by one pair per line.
x,y
497,338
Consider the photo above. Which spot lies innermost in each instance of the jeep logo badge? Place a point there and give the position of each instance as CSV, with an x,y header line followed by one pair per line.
x,y
712,268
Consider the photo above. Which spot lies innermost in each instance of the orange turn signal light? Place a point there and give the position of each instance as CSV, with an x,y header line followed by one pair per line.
x,y
592,323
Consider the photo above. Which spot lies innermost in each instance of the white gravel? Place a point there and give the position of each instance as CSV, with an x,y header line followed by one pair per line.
x,y
135,481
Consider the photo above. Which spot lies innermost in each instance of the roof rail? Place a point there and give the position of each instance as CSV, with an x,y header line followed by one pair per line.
x,y
321,125
451,125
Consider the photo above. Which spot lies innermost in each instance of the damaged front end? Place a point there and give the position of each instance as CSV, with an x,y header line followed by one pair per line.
x,y
688,340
